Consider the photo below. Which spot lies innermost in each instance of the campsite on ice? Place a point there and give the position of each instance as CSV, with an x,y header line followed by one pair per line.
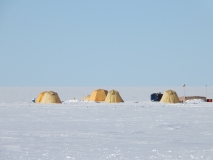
x,y
134,129
79,80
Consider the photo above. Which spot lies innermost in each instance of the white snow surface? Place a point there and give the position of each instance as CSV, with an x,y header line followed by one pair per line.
x,y
135,129
194,101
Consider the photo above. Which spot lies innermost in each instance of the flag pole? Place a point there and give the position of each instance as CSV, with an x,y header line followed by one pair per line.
x,y
206,90
184,89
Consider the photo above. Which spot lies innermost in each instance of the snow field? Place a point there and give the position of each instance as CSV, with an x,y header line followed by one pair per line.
x,y
136,129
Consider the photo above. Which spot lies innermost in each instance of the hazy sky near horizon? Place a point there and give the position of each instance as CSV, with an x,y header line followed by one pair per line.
x,y
106,43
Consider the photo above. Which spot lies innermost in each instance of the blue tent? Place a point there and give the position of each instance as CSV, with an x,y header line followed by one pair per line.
x,y
156,96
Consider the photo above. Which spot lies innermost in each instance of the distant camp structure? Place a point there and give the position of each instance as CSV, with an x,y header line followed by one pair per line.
x,y
185,98
85,98
98,95
156,96
170,96
40,97
48,97
113,96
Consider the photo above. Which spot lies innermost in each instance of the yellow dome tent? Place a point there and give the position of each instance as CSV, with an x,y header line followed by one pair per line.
x,y
113,96
40,96
48,97
98,95
170,96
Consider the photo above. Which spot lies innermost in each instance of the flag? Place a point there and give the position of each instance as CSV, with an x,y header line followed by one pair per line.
x,y
184,85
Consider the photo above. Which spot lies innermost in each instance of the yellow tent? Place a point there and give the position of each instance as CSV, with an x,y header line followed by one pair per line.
x,y
113,96
48,97
170,96
98,95
85,98
40,96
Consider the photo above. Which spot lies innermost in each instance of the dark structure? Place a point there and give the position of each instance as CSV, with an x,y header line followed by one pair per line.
x,y
156,96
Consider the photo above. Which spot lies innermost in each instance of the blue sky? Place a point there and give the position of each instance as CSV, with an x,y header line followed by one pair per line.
x,y
106,43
